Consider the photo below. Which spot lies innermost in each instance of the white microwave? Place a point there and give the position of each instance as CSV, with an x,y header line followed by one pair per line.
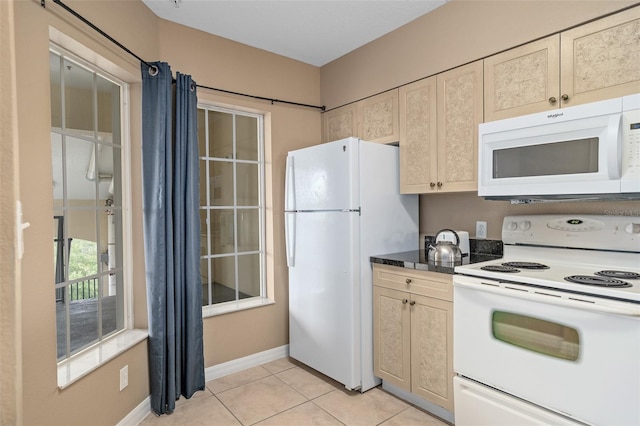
x,y
589,151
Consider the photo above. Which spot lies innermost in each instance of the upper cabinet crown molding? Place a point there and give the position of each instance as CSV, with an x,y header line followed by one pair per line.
x,y
591,62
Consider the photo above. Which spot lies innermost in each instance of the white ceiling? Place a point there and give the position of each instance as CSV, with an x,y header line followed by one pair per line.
x,y
311,31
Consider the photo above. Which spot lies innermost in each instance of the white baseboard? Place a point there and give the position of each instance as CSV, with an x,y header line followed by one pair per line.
x,y
210,373
233,366
138,414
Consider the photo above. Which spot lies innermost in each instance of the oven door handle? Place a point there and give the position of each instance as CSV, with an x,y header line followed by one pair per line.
x,y
546,296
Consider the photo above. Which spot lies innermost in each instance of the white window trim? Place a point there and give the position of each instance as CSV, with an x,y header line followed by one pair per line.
x,y
84,362
81,364
236,305
266,299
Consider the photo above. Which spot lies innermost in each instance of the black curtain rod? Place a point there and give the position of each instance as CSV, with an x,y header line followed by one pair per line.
x,y
123,47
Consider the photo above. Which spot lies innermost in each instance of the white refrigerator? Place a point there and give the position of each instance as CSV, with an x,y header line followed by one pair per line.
x,y
342,205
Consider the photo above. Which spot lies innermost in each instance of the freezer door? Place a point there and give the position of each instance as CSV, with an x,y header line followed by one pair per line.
x,y
324,295
323,177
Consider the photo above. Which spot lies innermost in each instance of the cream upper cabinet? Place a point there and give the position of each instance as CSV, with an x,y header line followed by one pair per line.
x,y
378,118
413,332
523,80
601,60
373,119
418,136
460,111
339,123
439,118
596,61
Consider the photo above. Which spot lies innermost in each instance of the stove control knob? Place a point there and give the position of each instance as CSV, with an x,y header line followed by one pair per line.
x,y
632,228
524,225
511,226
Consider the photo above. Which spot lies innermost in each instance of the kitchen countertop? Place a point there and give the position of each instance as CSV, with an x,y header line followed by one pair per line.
x,y
417,259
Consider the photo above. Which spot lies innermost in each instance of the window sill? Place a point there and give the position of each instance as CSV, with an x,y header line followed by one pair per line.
x,y
240,305
83,363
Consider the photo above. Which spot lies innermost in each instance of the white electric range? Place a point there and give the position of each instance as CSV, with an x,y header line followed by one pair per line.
x,y
550,333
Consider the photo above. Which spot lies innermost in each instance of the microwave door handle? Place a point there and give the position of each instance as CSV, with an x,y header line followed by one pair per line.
x,y
614,154
537,297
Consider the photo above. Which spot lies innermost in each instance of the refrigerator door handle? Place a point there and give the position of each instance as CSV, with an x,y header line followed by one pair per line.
x,y
289,187
290,238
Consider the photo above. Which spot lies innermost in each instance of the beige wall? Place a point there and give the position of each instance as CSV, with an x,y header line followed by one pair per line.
x,y
223,64
95,399
10,324
457,33
212,61
447,39
461,211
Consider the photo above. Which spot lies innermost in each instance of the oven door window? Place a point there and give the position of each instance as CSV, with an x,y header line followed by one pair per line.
x,y
537,335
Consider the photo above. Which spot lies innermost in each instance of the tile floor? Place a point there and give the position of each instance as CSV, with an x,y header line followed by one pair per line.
x,y
282,393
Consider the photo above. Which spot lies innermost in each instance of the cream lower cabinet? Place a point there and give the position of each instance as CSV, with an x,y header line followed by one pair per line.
x,y
413,332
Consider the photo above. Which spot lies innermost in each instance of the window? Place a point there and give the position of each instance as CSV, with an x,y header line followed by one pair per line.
x,y
537,335
231,208
89,187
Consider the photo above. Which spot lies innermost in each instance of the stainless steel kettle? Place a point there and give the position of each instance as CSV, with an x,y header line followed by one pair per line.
x,y
445,253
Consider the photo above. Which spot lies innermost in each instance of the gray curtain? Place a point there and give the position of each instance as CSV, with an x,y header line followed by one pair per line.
x,y
171,236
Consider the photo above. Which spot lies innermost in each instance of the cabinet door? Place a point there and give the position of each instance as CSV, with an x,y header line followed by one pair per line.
x,y
601,60
523,80
459,114
391,334
339,123
378,118
432,350
418,137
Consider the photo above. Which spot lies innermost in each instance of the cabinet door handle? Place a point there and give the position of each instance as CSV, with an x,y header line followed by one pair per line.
x,y
564,97
413,302
552,100
439,184
408,281
404,301
432,184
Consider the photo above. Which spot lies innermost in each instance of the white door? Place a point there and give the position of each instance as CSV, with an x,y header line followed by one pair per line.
x,y
323,287
323,177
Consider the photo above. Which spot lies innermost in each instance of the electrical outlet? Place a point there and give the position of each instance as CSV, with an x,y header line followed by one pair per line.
x,y
124,377
481,230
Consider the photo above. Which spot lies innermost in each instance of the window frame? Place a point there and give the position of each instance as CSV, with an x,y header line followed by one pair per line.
x,y
255,301
73,366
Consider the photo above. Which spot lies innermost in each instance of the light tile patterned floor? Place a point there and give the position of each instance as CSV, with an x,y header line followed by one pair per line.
x,y
282,393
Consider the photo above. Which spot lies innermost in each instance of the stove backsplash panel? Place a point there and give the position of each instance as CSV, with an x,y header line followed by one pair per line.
x,y
476,246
